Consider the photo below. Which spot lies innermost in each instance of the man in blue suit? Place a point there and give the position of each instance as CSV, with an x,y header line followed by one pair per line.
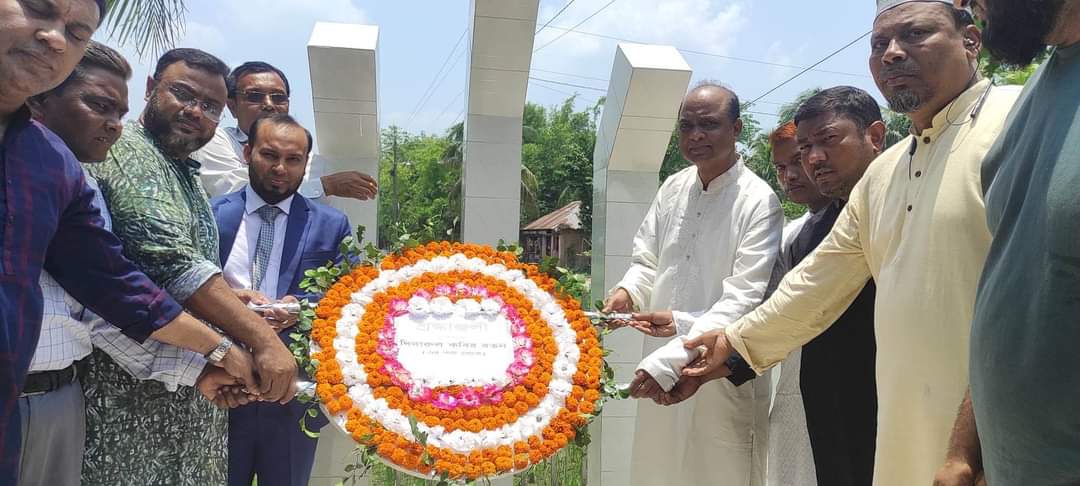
x,y
270,235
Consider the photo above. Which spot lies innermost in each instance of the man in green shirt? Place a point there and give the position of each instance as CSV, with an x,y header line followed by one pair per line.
x,y
1025,370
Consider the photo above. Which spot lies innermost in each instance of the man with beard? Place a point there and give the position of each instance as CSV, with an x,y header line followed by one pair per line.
x,y
708,242
47,218
1024,380
258,89
270,234
915,224
791,462
138,432
85,111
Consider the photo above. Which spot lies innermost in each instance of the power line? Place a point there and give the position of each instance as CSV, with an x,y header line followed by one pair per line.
x,y
557,14
560,36
572,85
709,54
433,85
445,110
804,71
566,93
602,80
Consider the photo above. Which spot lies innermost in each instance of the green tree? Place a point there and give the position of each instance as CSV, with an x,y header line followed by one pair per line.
x,y
150,26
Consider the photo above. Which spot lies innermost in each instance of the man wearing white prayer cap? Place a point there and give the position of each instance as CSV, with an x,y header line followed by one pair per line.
x,y
916,224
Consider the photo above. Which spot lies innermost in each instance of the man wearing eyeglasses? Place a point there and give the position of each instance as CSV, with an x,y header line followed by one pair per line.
x,y
162,214
258,89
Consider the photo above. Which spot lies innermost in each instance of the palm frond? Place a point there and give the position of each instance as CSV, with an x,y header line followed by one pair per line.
x,y
149,26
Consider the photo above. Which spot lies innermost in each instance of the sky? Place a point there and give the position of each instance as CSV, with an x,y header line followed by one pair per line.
x,y
417,38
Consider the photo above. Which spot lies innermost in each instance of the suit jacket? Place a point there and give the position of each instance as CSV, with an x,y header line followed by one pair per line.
x,y
312,236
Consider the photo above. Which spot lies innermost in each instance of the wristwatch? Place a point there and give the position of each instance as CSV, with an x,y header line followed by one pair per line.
x,y
218,353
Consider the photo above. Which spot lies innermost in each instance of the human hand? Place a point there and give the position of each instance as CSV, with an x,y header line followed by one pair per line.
x,y
655,324
685,388
958,473
350,184
281,319
251,296
644,386
238,364
712,364
618,302
277,372
222,389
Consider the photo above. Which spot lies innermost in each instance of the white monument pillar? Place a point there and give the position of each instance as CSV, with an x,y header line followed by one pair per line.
x,y
646,88
500,54
343,60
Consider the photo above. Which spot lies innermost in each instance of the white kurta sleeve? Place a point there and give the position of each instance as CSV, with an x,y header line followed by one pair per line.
x,y
639,279
221,170
743,290
810,298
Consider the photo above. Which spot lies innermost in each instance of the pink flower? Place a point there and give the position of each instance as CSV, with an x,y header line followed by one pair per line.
x,y
480,292
522,342
524,357
420,393
461,289
519,330
443,290
387,349
519,369
469,398
445,401
423,294
495,398
399,307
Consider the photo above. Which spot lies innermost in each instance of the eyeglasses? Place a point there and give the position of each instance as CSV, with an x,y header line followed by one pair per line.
x,y
211,110
258,97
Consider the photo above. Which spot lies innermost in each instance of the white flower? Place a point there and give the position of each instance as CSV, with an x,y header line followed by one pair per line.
x,y
512,275
440,264
342,343
442,306
490,306
469,306
560,388
418,306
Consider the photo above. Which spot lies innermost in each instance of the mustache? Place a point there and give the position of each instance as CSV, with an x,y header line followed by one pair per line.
x,y
894,70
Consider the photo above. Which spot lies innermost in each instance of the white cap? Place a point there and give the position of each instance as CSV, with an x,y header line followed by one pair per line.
x,y
883,5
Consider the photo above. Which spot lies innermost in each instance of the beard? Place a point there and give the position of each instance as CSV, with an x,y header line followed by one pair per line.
x,y
1016,30
160,128
904,101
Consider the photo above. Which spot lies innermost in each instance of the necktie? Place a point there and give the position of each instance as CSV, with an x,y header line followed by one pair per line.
x,y
265,244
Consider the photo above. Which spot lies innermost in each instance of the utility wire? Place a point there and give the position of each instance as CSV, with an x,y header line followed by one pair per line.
x,y
447,109
709,54
557,14
560,36
434,81
804,71
572,85
602,80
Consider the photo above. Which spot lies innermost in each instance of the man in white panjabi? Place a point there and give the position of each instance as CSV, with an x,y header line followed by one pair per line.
x,y
916,224
709,241
257,89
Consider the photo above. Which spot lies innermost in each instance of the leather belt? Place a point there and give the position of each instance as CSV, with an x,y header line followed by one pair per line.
x,y
46,381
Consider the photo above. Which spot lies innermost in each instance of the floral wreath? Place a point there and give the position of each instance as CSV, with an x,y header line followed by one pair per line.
x,y
553,385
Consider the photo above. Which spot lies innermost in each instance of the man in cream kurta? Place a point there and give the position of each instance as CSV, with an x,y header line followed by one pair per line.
x,y
916,225
705,245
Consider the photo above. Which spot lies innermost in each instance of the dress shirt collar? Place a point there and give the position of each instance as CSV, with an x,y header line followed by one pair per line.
x,y
957,113
721,181
254,202
237,134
